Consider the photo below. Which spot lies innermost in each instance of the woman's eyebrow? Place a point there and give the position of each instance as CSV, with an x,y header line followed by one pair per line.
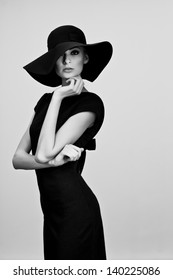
x,y
75,48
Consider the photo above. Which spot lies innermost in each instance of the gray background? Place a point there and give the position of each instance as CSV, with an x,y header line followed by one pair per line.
x,y
131,171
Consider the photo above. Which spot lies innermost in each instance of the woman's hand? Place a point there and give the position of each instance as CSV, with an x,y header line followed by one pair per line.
x,y
74,87
69,153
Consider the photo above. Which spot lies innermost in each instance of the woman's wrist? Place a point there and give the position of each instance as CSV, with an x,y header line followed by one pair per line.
x,y
57,96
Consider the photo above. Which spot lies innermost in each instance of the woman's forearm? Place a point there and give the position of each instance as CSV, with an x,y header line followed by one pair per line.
x,y
23,160
47,135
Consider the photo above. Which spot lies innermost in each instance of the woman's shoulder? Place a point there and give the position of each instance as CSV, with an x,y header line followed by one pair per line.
x,y
90,101
89,96
43,99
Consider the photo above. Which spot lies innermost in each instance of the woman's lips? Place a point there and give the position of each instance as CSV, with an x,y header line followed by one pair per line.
x,y
68,70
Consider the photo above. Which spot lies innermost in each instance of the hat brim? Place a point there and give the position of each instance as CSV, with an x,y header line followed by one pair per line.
x,y
42,68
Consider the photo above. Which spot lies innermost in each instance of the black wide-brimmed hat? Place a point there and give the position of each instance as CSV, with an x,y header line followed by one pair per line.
x,y
59,41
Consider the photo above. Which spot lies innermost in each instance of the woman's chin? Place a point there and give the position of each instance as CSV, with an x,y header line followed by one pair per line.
x,y
69,75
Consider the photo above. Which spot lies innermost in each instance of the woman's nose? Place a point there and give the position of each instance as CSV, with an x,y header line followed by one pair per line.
x,y
66,59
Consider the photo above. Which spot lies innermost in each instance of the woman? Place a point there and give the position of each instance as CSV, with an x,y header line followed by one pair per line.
x,y
61,129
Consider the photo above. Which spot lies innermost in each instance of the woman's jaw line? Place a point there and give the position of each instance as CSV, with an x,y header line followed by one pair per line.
x,y
64,80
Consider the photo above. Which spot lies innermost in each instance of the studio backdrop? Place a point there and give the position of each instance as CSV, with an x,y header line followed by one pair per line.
x,y
131,171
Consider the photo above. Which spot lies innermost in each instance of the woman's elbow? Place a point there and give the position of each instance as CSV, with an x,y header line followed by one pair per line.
x,y
15,162
40,158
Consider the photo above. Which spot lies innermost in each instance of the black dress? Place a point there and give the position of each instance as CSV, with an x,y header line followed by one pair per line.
x,y
72,221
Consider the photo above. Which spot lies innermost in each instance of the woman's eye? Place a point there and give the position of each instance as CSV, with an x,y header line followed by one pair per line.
x,y
75,52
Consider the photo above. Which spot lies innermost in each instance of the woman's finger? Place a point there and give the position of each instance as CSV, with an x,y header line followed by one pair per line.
x,y
77,149
72,151
74,84
78,86
51,162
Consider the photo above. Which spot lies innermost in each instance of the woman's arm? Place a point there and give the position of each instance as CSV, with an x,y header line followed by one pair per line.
x,y
22,158
51,143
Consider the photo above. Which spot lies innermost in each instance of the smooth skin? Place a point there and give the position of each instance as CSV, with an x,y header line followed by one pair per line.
x,y
56,148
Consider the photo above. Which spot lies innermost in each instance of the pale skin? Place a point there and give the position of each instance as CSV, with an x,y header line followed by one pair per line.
x,y
56,148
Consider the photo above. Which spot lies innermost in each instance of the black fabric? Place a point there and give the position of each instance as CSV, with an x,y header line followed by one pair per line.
x,y
72,220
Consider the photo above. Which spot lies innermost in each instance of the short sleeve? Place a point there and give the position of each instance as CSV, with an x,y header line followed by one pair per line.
x,y
91,102
41,101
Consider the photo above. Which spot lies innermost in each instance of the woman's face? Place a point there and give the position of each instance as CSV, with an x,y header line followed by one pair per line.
x,y
71,63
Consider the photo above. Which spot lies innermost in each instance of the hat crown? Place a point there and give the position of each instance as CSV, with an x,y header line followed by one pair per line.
x,y
66,33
